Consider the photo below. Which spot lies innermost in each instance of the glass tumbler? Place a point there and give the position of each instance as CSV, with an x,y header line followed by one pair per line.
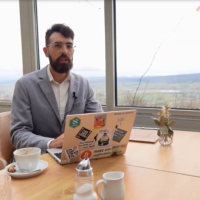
x,y
5,187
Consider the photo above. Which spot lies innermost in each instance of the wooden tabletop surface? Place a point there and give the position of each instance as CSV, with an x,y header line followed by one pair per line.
x,y
152,172
181,157
57,182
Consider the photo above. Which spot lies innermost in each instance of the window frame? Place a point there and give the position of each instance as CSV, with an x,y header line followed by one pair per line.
x,y
185,119
28,41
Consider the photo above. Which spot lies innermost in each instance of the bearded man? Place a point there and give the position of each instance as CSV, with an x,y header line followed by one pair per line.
x,y
43,99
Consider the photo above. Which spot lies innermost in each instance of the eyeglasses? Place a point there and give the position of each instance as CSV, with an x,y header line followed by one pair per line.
x,y
59,46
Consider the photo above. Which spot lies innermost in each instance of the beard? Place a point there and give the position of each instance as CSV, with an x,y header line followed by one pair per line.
x,y
61,67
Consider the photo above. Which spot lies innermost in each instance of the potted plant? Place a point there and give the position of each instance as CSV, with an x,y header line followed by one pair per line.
x,y
165,131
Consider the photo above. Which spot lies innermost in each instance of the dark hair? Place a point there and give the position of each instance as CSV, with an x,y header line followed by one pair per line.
x,y
66,31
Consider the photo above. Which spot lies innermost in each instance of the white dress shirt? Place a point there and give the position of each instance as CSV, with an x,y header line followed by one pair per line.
x,y
61,93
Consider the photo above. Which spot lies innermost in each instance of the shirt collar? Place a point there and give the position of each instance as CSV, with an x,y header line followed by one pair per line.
x,y
51,77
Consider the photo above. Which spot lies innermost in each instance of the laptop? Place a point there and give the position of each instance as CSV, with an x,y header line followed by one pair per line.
x,y
94,136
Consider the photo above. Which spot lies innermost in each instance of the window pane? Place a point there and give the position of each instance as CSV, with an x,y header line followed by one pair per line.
x,y
86,18
10,51
158,53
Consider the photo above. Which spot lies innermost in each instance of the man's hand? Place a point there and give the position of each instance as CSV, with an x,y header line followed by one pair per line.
x,y
58,142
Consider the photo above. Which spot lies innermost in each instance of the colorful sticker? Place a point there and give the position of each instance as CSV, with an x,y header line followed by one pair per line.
x,y
104,137
99,121
118,135
72,152
116,147
83,134
74,122
86,154
116,153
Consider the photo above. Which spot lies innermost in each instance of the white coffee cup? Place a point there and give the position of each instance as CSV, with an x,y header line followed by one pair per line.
x,y
113,186
27,158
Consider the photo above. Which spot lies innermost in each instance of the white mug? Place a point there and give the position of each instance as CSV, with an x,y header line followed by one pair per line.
x,y
113,186
27,158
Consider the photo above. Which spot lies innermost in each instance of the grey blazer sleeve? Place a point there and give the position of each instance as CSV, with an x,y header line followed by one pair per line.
x,y
21,121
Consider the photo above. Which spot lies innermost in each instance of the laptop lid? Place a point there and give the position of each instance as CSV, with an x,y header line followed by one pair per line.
x,y
95,135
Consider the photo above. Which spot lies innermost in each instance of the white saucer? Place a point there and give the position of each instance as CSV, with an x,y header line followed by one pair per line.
x,y
41,165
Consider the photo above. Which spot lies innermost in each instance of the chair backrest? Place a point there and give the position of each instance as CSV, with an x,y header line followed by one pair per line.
x,y
6,148
3,164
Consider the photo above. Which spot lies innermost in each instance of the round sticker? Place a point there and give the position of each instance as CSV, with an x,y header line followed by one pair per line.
x,y
86,154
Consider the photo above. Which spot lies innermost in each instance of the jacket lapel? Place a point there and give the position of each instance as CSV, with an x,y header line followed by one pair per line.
x,y
72,89
46,88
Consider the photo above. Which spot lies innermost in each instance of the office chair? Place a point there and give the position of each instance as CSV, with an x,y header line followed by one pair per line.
x,y
6,148
2,164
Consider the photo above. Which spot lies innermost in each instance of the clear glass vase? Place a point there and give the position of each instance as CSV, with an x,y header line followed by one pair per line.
x,y
165,140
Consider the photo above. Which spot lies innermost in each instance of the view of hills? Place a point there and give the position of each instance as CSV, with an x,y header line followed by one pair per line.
x,y
153,79
182,91
151,91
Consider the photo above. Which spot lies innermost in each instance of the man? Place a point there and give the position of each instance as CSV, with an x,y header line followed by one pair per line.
x,y
42,99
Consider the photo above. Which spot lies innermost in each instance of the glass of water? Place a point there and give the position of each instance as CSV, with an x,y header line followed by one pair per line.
x,y
5,187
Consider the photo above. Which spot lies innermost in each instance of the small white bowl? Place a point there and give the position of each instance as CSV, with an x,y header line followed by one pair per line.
x,y
27,158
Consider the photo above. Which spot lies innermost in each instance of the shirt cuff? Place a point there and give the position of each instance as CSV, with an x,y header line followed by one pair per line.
x,y
48,143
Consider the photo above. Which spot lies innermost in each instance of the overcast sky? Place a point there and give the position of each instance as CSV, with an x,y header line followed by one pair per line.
x,y
142,27
172,24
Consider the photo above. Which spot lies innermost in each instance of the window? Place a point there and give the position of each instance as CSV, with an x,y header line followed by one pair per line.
x,y
86,18
10,51
158,53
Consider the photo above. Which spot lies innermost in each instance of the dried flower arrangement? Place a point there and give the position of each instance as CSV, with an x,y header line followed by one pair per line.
x,y
164,122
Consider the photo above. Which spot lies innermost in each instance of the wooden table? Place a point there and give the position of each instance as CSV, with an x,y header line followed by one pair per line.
x,y
181,157
151,172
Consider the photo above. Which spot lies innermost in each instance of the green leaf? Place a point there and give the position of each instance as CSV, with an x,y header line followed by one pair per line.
x,y
164,130
171,123
157,122
170,132
162,121
158,133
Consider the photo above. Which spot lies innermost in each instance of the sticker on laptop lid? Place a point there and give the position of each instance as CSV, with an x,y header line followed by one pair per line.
x,y
119,147
119,134
75,122
104,137
83,134
116,147
87,144
101,152
116,153
99,121
119,121
72,152
85,154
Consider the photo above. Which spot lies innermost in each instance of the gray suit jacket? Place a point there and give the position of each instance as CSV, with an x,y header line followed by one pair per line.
x,y
35,117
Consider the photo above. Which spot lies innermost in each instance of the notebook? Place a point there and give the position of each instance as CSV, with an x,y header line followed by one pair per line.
x,y
94,136
144,135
